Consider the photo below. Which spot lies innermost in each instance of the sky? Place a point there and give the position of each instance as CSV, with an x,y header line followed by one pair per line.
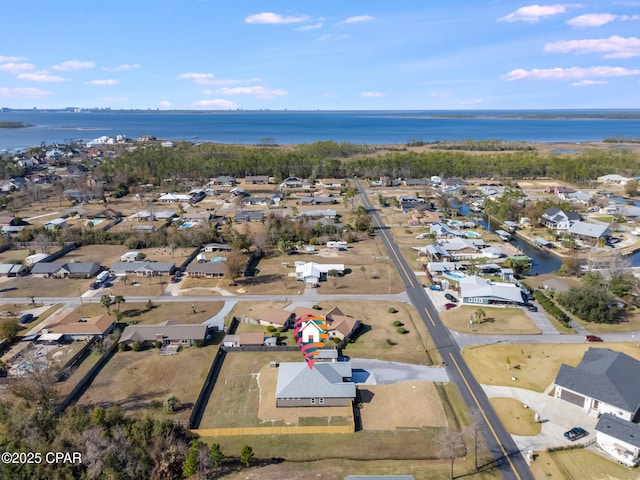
x,y
323,55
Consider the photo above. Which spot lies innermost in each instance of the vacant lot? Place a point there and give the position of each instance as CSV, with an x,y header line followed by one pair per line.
x,y
44,287
517,419
498,321
138,313
235,399
140,382
578,464
535,366
105,255
382,408
14,255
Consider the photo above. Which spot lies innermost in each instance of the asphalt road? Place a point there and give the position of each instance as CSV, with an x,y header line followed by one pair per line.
x,y
506,454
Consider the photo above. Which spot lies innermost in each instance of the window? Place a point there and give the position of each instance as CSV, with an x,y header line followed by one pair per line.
x,y
322,401
313,401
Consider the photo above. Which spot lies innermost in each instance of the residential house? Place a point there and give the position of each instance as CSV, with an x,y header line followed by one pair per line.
x,y
317,200
264,201
589,233
223,181
76,327
559,189
603,382
143,268
416,182
340,325
325,385
107,213
577,197
143,228
330,182
55,223
614,179
248,216
129,256
453,183
65,270
175,197
6,219
475,290
12,270
256,180
167,333
312,273
558,220
442,230
619,438
217,247
327,213
201,216
15,183
12,230
206,270
425,217
275,317
293,182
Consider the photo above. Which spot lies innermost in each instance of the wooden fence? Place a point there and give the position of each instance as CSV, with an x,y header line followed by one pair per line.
x,y
284,430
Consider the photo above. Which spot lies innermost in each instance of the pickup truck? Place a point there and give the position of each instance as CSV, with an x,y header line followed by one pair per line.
x,y
437,288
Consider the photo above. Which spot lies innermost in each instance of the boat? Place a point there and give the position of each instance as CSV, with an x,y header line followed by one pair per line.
x,y
506,236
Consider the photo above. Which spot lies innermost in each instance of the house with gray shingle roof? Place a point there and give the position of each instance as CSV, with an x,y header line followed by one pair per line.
x,y
604,381
324,385
142,269
619,438
168,333
69,269
589,232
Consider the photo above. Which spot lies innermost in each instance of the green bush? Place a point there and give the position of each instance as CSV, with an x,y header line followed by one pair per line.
x,y
392,310
122,347
397,323
198,343
401,330
136,346
335,340
271,328
157,344
317,307
549,307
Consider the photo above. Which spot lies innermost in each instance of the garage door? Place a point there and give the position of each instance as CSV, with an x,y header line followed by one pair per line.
x,y
572,397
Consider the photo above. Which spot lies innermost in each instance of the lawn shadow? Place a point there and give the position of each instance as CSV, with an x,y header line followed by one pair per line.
x,y
365,395
364,328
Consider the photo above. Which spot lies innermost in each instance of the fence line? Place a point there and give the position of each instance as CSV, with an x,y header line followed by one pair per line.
x,y
285,430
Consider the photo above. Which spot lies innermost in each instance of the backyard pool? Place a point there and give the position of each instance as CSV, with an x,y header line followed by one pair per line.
x,y
94,222
218,259
472,234
455,223
454,275
186,225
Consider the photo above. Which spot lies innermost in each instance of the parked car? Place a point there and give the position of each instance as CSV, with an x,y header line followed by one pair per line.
x,y
435,287
449,306
450,297
422,236
593,338
532,308
26,318
575,433
94,286
175,279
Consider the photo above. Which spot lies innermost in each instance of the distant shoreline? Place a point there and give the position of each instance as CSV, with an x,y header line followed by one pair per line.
x,y
8,125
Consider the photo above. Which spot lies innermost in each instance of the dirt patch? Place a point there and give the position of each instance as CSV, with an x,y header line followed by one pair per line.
x,y
382,406
498,321
515,417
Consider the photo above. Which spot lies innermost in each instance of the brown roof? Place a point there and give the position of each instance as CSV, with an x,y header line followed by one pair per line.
x,y
342,324
274,315
301,311
251,338
76,324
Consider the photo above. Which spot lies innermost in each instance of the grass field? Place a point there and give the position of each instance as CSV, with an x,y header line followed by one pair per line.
x,y
49,287
535,365
578,464
137,313
105,255
140,382
515,418
498,321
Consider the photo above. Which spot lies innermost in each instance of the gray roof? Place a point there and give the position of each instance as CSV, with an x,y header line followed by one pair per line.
x,y
8,268
605,375
204,268
74,268
619,428
297,380
120,268
45,268
150,333
589,230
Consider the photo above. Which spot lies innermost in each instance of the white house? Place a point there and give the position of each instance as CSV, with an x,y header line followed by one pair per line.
x,y
129,256
312,273
604,381
619,438
479,291
613,179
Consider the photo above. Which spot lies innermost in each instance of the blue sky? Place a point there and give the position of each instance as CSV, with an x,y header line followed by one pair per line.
x,y
327,55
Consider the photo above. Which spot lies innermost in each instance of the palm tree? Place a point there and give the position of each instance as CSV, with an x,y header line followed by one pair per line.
x,y
124,278
363,269
106,302
480,315
117,300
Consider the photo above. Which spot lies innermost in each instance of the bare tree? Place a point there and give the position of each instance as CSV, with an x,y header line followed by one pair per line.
x,y
42,240
450,444
471,432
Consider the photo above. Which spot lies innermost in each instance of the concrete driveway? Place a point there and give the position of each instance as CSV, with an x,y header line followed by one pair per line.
x,y
378,372
557,417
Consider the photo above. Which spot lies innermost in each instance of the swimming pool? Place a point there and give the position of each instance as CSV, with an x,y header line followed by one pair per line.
x,y
455,223
218,259
186,225
94,222
472,234
454,275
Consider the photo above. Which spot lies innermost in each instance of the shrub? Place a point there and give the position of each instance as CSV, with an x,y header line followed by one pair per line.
x,y
271,328
317,307
392,310
136,346
198,343
276,335
401,330
157,344
397,323
335,340
390,342
122,347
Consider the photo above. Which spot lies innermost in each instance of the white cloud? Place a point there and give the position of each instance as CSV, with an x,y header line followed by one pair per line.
x,y
122,68
330,36
534,13
16,67
372,94
73,65
41,77
23,93
569,73
209,79
11,59
591,20
612,47
257,91
473,101
304,28
587,83
107,81
219,104
164,104
114,99
273,18
440,94
195,76
359,18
